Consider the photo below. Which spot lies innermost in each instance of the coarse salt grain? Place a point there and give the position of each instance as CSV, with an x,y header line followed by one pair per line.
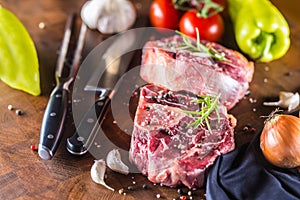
x,y
42,25
121,191
10,107
267,68
246,128
252,100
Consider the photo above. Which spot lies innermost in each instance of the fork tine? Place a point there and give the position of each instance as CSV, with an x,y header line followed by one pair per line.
x,y
65,46
77,56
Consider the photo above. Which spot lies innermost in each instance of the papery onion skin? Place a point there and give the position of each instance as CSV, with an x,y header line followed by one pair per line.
x,y
280,141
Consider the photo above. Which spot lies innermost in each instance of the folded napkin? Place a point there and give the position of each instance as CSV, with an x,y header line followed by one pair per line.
x,y
245,174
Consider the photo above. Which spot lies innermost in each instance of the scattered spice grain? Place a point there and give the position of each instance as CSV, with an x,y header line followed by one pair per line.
x,y
10,107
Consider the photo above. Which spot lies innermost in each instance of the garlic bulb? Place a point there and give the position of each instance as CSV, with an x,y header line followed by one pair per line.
x,y
287,100
115,163
280,140
108,16
97,173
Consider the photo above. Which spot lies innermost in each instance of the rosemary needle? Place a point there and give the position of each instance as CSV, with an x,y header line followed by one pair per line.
x,y
199,49
208,104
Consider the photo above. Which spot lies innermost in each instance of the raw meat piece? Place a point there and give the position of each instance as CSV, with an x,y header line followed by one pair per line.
x,y
164,65
165,150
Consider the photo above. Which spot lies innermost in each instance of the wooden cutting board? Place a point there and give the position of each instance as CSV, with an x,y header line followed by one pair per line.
x,y
23,175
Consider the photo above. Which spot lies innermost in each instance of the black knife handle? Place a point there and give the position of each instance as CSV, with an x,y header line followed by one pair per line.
x,y
53,123
78,143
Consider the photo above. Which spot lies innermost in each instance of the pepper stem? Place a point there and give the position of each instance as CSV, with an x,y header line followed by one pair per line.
x,y
267,43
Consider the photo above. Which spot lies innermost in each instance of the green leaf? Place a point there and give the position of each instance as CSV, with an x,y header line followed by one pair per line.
x,y
19,66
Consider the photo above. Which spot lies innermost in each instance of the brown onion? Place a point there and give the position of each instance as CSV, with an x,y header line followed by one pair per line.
x,y
280,140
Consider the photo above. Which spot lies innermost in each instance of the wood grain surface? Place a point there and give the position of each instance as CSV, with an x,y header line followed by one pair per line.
x,y
24,175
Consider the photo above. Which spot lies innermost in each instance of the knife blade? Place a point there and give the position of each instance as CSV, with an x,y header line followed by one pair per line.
x,y
115,65
55,114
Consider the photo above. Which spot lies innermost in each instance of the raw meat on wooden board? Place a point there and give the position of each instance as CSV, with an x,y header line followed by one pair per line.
x,y
164,64
165,150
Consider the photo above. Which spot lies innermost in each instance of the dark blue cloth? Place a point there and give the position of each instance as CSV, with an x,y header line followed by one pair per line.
x,y
245,174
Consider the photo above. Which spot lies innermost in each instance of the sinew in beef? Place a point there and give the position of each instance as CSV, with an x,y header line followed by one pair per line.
x,y
165,150
165,65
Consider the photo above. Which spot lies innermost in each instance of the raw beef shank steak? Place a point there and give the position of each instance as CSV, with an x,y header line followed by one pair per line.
x,y
166,149
166,63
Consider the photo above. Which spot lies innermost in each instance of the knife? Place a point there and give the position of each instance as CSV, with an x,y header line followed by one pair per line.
x,y
79,144
55,114
81,141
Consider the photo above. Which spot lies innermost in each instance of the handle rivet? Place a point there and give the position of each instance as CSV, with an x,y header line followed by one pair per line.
x,y
52,114
80,139
50,136
90,120
100,103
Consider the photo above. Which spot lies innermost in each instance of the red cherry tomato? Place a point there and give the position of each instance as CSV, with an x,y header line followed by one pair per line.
x,y
162,14
210,28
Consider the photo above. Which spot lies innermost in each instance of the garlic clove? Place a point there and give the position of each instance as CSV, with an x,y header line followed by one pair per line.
x,y
118,19
293,101
97,173
115,163
90,15
287,100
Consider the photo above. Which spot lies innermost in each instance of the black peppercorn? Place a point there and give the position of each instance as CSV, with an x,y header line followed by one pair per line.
x,y
145,186
130,187
179,191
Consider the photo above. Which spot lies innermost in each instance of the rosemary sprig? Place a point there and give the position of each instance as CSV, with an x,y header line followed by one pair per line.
x,y
208,104
199,48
